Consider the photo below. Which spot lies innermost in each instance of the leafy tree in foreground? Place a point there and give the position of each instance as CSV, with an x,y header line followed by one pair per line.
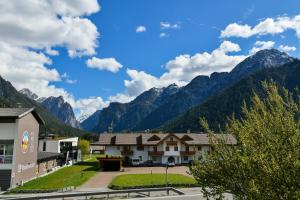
x,y
84,146
265,163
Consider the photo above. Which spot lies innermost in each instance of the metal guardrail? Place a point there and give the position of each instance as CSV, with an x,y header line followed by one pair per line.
x,y
106,193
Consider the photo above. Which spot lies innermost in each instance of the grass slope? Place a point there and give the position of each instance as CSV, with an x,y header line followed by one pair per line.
x,y
130,181
74,175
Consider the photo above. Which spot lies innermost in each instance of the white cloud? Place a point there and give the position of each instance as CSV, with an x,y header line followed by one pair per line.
x,y
121,98
267,26
260,45
182,70
31,31
286,48
140,29
163,35
110,64
41,24
167,25
75,7
86,107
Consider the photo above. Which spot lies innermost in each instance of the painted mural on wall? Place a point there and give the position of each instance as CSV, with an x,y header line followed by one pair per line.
x,y
25,142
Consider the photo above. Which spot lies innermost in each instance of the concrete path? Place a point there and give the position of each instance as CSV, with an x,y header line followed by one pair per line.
x,y
102,179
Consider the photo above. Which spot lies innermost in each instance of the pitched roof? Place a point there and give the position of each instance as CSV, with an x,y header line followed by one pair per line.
x,y
147,138
17,113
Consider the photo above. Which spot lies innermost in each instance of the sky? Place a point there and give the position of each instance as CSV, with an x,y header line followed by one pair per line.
x,y
96,52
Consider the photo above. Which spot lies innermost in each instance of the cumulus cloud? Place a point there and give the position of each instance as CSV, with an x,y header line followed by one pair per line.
x,y
167,25
286,48
182,70
86,107
31,31
110,64
140,29
267,26
260,45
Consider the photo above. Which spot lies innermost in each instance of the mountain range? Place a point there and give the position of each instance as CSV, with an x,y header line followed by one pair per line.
x,y
219,107
160,107
10,97
57,106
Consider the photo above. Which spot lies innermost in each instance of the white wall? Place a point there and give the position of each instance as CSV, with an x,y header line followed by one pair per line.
x,y
137,153
74,141
112,150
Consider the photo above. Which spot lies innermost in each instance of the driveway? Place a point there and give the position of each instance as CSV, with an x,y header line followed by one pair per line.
x,y
102,179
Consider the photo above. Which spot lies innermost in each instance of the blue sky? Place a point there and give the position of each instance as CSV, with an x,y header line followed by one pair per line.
x,y
173,28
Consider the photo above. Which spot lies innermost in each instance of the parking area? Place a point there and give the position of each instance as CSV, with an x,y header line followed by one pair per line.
x,y
102,179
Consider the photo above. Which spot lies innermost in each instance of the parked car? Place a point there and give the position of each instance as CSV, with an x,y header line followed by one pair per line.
x,y
149,163
171,164
135,162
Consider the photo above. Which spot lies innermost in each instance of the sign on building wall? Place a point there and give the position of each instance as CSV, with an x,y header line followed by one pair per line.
x,y
25,142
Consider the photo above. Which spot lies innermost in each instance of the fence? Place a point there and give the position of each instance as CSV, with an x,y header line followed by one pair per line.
x,y
106,193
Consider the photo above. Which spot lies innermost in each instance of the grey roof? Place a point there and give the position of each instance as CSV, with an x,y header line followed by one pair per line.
x,y
44,156
131,138
17,113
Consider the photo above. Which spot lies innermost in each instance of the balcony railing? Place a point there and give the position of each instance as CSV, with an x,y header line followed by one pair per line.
x,y
187,153
155,153
65,149
127,153
6,159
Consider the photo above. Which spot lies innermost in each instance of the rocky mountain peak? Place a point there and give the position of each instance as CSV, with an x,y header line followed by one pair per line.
x,y
61,109
28,93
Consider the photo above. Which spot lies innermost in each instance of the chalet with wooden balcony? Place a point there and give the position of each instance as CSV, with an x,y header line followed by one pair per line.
x,y
161,148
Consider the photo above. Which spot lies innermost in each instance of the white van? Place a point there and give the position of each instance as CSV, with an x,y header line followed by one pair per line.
x,y
135,162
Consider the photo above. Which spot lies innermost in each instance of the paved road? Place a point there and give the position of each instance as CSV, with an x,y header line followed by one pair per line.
x,y
102,179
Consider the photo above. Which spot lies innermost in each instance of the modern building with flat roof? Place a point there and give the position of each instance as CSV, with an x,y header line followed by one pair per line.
x,y
19,133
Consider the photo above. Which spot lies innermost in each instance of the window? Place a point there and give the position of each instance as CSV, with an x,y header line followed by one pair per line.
x,y
154,159
167,148
185,158
44,146
6,151
187,148
2,150
140,158
118,147
155,148
176,148
199,148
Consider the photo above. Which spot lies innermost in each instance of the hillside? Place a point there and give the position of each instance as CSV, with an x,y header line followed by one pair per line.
x,y
219,107
10,97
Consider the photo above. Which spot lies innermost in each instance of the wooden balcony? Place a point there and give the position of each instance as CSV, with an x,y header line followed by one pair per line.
x,y
127,153
155,153
187,153
171,143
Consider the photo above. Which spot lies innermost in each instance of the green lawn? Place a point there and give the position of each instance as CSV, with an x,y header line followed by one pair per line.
x,y
74,175
151,180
